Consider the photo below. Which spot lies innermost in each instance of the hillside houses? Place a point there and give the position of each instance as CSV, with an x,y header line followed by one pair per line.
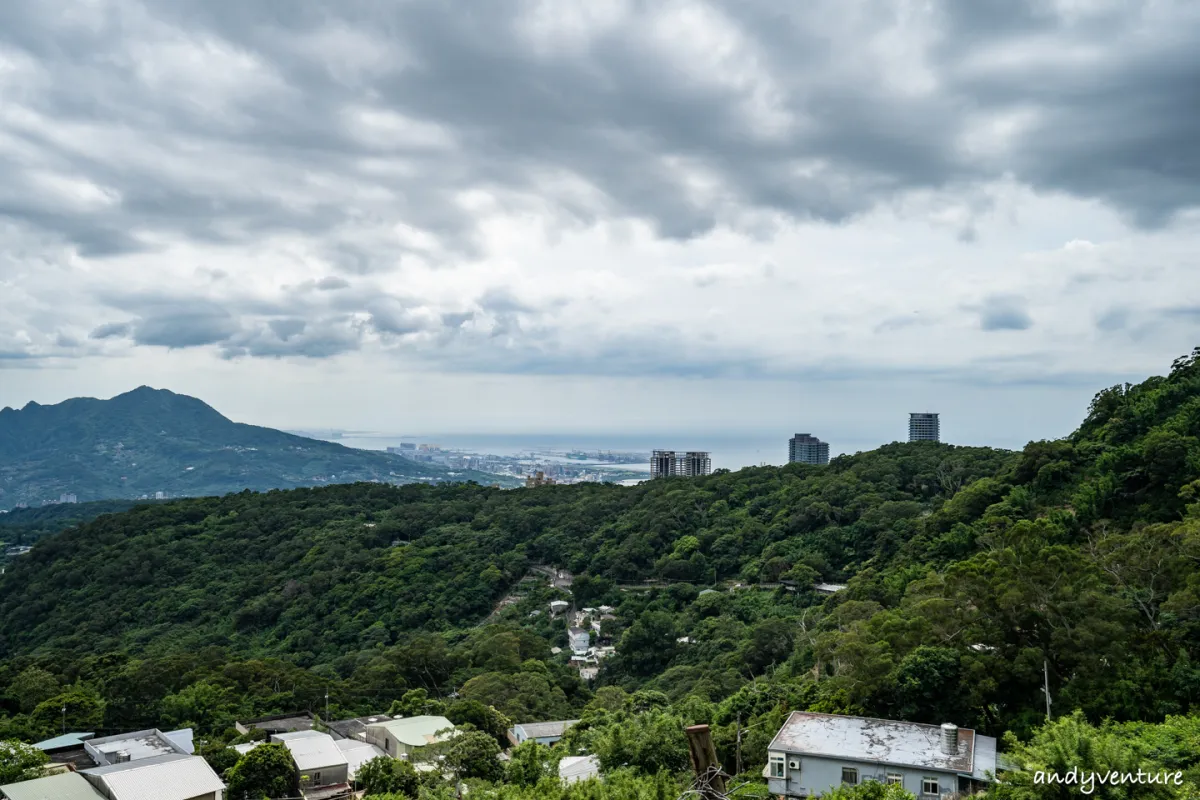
x,y
131,766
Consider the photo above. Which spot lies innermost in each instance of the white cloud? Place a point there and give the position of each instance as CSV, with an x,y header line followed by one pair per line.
x,y
711,200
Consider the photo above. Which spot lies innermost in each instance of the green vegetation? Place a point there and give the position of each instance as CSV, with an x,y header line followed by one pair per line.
x,y
265,771
148,440
24,526
20,762
972,575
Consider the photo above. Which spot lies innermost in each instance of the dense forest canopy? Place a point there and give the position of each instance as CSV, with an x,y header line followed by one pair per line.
x,y
973,575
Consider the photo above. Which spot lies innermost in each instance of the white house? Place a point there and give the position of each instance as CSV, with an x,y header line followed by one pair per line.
x,y
580,640
173,776
814,753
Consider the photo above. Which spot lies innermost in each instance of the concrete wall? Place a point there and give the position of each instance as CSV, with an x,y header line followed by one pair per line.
x,y
389,744
818,775
329,776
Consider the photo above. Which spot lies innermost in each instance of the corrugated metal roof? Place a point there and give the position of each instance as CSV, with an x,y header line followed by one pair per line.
x,y
312,750
67,786
171,777
415,731
578,768
538,730
66,740
876,740
357,753
985,757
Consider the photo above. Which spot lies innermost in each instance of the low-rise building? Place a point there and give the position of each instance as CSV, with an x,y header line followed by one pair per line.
x,y
357,753
320,764
173,776
814,753
540,732
404,738
573,769
139,745
580,640
66,786
355,728
279,723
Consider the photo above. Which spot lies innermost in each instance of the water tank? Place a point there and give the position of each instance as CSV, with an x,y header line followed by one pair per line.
x,y
949,738
122,757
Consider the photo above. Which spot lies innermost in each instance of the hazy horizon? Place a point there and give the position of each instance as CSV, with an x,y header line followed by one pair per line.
x,y
703,215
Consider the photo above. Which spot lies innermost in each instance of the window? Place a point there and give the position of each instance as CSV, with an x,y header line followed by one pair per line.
x,y
850,776
387,744
316,779
777,767
895,778
930,786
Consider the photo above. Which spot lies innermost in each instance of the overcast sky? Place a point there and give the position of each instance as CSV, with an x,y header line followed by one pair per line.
x,y
601,215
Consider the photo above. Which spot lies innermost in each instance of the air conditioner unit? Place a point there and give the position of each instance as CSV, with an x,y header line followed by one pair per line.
x,y
794,763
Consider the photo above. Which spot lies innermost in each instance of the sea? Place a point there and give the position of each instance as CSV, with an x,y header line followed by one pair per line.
x,y
728,451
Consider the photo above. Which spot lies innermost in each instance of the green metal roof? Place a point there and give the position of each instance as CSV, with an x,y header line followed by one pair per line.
x,y
66,786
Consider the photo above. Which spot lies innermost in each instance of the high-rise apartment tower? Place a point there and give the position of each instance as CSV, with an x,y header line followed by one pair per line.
x,y
668,463
923,427
804,448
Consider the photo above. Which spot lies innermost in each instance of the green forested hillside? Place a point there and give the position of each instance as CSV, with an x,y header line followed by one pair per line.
x,y
972,575
152,440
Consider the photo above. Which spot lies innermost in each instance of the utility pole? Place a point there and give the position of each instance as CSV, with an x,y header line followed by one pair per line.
x,y
327,705
64,717
1046,687
739,744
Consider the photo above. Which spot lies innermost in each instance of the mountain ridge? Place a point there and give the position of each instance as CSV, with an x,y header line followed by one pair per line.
x,y
150,440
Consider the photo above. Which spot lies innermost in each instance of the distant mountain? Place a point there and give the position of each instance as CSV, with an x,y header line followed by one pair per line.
x,y
152,440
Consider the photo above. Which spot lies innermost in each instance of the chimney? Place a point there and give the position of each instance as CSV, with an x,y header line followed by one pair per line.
x,y
950,738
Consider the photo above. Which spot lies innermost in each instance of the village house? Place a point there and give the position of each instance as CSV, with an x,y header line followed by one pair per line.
x,y
405,738
541,732
573,769
580,640
65,786
322,769
815,753
173,776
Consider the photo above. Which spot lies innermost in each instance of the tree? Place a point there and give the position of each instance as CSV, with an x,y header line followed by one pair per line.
x,y
84,711
20,762
484,718
266,771
872,790
647,742
384,775
219,756
33,686
199,705
474,754
414,703
529,763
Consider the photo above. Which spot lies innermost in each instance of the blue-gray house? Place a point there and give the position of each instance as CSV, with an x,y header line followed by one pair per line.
x,y
541,732
814,753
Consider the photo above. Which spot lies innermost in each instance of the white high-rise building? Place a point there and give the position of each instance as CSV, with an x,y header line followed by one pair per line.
x,y
923,427
804,448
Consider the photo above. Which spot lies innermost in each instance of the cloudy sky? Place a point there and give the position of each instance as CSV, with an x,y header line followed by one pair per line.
x,y
601,216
